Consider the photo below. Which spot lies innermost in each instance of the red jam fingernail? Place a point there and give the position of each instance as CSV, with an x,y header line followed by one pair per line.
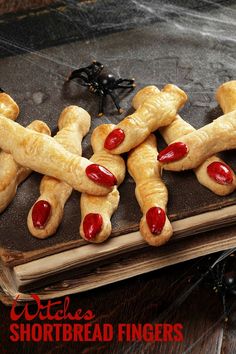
x,y
92,225
156,218
173,152
100,175
220,172
40,214
114,139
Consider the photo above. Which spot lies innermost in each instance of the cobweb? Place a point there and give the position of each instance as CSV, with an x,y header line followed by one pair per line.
x,y
82,26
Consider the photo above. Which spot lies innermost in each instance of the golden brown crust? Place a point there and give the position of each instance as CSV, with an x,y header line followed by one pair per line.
x,y
105,206
43,154
8,107
74,123
175,130
156,111
226,96
11,173
220,135
150,190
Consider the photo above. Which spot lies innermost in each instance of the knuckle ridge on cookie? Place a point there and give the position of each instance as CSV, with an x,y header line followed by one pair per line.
x,y
47,212
96,212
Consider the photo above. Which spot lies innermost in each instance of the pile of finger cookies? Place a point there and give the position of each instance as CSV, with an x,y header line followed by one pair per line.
x,y
60,160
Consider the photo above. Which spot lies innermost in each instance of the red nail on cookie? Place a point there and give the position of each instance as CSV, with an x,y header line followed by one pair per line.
x,y
156,218
40,214
173,152
114,139
220,172
101,175
92,225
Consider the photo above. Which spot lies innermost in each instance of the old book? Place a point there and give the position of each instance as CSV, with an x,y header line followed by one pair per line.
x,y
74,271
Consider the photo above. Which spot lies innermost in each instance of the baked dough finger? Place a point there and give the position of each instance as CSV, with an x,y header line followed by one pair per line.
x,y
96,211
213,173
226,96
47,212
151,192
11,173
43,154
193,149
8,107
155,112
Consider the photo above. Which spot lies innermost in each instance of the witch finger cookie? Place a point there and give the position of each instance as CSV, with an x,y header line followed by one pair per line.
x,y
151,192
156,111
213,173
96,212
43,154
8,107
193,149
47,212
11,173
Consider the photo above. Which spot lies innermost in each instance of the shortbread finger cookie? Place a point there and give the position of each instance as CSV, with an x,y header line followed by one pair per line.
x,y
193,149
47,212
11,173
8,107
96,212
155,112
43,154
151,192
226,96
213,173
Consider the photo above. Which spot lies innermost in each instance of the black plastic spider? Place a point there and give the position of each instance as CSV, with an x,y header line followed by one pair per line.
x,y
101,82
218,273
222,276
1,90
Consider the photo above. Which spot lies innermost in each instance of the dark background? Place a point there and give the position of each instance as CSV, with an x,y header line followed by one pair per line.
x,y
170,295
206,24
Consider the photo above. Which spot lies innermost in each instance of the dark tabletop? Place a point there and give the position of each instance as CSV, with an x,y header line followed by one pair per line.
x,y
202,24
171,295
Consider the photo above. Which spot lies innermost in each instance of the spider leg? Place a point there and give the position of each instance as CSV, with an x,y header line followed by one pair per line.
x,y
222,291
79,75
225,310
115,99
125,86
220,267
126,83
223,271
121,81
82,74
101,105
1,90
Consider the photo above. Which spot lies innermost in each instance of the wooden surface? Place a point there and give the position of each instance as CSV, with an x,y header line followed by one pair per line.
x,y
14,6
146,299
